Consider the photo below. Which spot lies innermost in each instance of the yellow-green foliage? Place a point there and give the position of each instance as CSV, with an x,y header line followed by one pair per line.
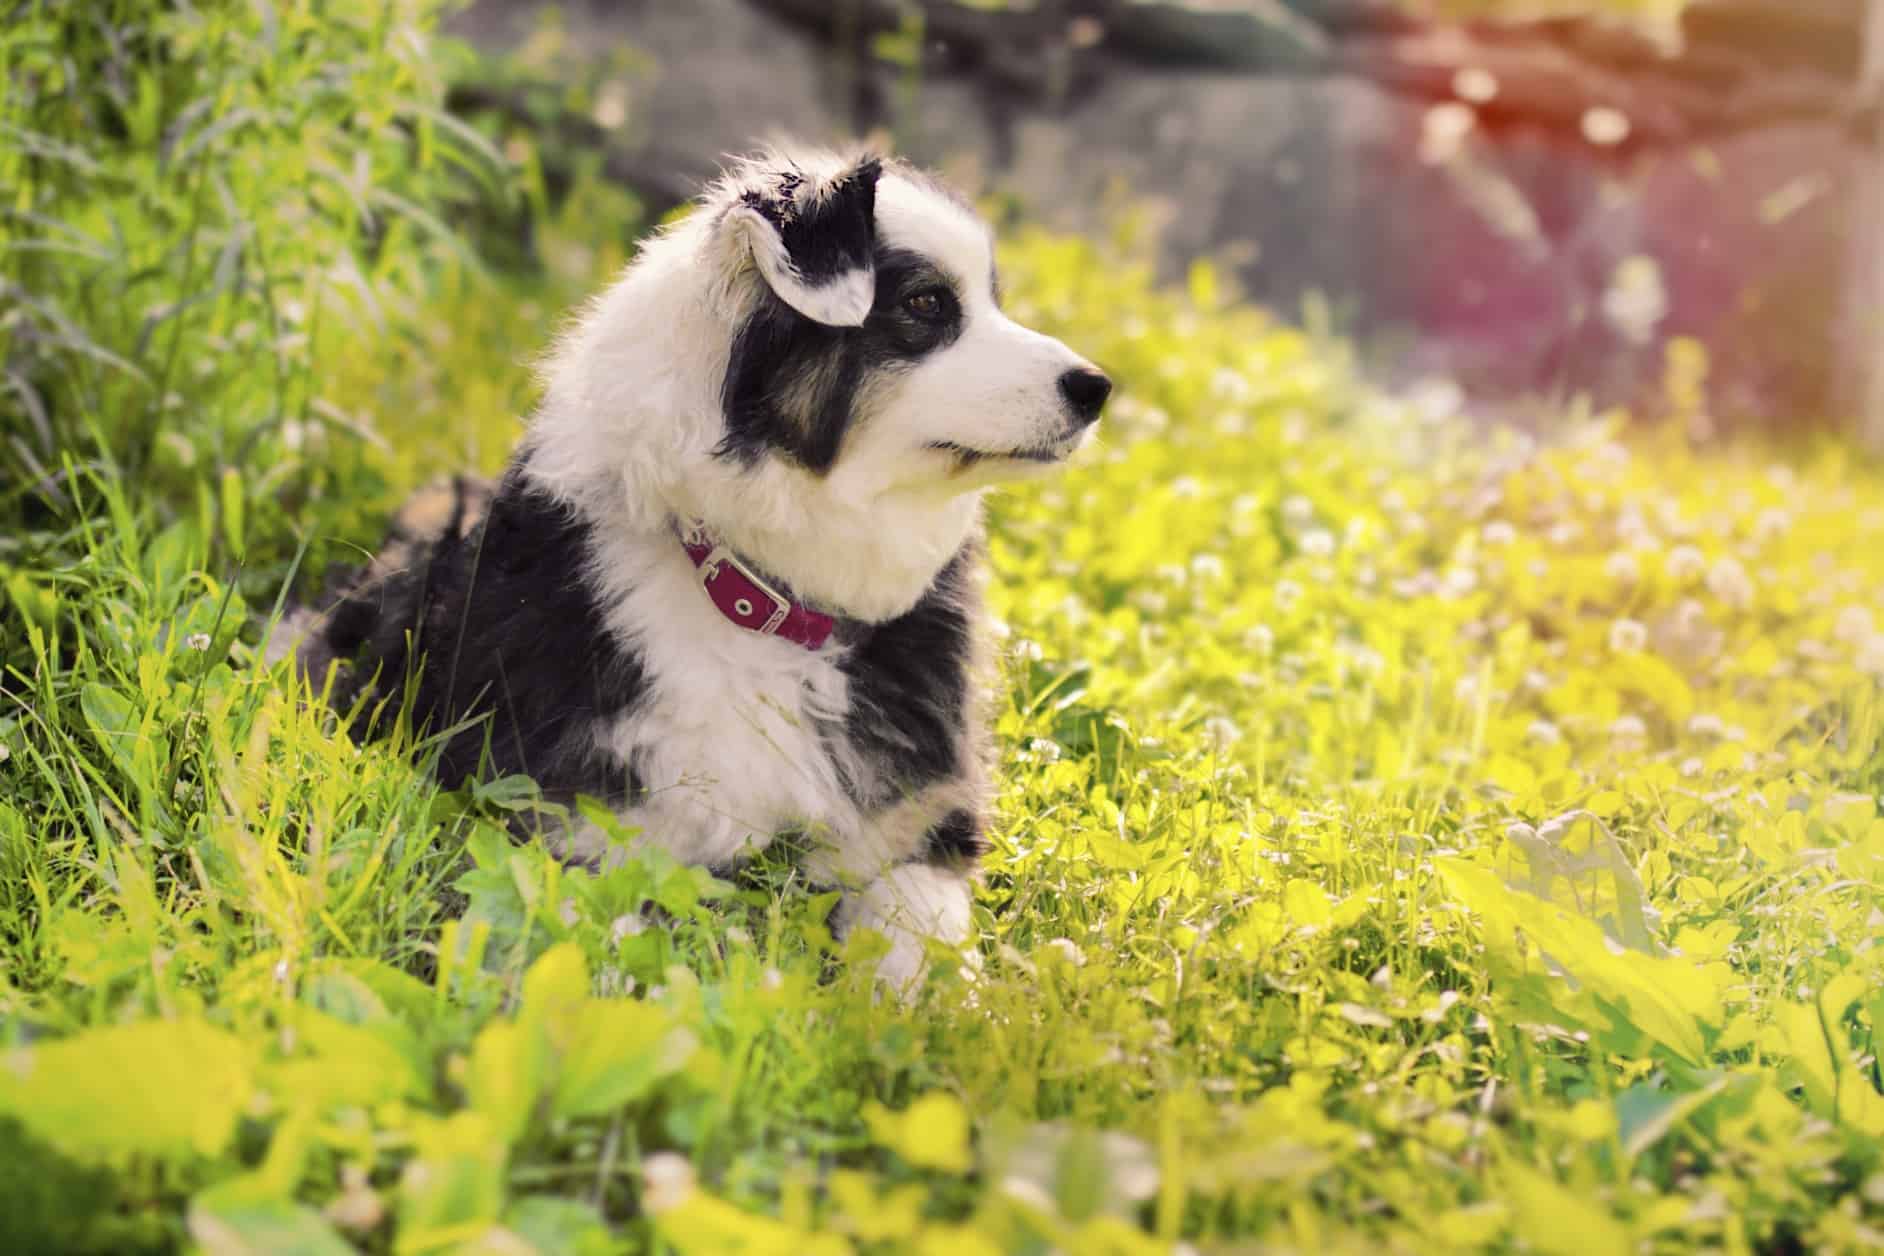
x,y
1413,837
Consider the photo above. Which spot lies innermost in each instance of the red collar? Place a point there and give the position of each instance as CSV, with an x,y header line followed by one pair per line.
x,y
738,593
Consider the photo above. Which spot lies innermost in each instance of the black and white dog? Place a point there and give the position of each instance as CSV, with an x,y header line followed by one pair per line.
x,y
729,582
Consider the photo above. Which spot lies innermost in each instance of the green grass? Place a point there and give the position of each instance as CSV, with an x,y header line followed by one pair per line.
x,y
1411,837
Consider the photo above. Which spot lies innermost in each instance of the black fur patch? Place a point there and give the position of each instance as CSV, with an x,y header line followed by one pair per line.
x,y
909,688
832,237
791,382
499,623
954,841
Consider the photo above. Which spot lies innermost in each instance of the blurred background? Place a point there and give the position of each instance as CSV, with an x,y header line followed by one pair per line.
x,y
1634,202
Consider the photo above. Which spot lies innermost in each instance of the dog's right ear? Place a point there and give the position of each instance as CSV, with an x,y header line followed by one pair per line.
x,y
813,240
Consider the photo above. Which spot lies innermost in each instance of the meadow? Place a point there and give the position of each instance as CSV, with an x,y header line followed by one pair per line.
x,y
1414,835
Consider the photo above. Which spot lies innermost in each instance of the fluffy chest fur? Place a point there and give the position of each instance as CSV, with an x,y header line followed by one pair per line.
x,y
589,658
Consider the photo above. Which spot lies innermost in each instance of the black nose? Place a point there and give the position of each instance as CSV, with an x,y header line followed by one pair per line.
x,y
1085,391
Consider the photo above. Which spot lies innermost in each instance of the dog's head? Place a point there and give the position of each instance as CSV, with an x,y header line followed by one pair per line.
x,y
872,348
815,363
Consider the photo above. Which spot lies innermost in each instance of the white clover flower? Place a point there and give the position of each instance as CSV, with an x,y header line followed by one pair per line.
x,y
1628,730
1150,601
1706,724
1186,487
1259,639
1287,594
1871,656
1536,681
1230,385
1771,523
1692,766
1684,564
198,641
667,1179
1222,733
1244,503
1728,581
1067,950
1854,625
1563,534
1318,543
1366,661
1498,532
1627,636
1207,567
1297,510
1044,749
1029,650
1458,582
1543,732
1622,567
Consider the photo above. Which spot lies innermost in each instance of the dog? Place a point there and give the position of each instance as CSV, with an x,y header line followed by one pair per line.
x,y
729,583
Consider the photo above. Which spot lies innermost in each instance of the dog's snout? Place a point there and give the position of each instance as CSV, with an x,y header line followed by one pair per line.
x,y
1085,390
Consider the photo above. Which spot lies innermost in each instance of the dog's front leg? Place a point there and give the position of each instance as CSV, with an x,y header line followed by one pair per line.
x,y
907,872
909,904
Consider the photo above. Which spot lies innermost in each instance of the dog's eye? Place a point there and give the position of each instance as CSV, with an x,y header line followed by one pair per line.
x,y
926,303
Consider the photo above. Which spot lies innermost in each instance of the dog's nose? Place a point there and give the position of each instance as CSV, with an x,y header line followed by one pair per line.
x,y
1085,390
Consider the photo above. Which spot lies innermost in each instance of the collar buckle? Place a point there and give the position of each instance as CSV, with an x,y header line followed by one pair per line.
x,y
710,570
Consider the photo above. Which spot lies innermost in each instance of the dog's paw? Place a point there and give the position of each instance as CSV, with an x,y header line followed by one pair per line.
x,y
912,906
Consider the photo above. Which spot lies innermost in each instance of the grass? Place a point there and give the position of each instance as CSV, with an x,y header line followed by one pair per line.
x,y
1412,837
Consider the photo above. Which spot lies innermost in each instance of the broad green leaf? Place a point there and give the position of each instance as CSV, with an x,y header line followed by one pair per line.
x,y
279,1227
453,1187
163,1088
1669,1000
561,1227
1559,1221
932,1132
506,1076
1306,903
618,1050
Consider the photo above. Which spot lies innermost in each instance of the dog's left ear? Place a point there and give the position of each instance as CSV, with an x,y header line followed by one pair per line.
x,y
813,241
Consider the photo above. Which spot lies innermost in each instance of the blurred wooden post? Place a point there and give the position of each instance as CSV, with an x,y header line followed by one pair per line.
x,y
1864,311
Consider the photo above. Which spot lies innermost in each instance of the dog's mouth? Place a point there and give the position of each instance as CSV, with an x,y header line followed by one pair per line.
x,y
966,457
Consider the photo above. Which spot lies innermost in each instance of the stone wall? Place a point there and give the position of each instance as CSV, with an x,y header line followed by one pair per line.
x,y
1533,209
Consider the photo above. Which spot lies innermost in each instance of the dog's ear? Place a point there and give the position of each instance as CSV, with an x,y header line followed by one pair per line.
x,y
813,240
